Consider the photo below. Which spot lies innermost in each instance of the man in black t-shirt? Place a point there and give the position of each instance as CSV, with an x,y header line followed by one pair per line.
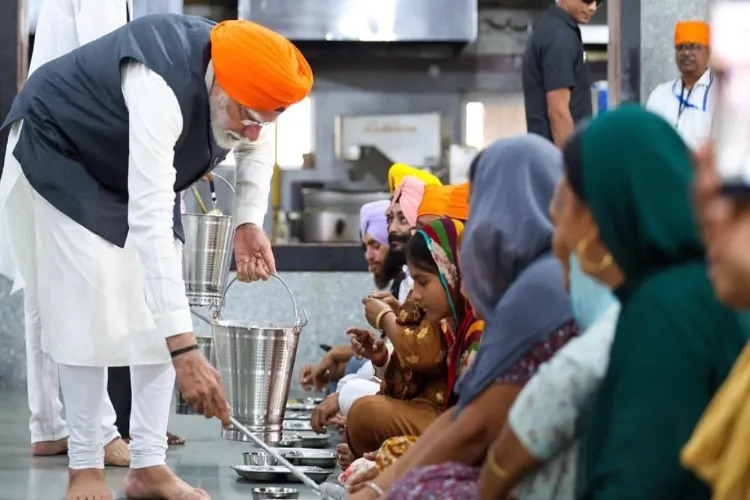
x,y
556,87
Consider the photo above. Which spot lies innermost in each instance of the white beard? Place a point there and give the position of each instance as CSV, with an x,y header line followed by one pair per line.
x,y
225,137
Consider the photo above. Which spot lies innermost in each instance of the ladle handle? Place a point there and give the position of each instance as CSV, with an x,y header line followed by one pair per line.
x,y
197,194
229,184
299,322
299,475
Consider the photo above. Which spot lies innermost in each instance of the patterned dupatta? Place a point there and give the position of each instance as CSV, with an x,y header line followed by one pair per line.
x,y
443,237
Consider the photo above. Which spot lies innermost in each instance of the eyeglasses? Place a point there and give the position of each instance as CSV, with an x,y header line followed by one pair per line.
x,y
589,2
688,47
248,121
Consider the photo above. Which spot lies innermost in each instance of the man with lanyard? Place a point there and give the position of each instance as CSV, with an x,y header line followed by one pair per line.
x,y
62,26
101,141
687,102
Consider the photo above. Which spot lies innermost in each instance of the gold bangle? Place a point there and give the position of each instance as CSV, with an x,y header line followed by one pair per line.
x,y
380,315
494,467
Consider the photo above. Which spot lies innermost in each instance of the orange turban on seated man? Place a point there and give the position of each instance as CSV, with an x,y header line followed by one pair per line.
x,y
435,200
692,32
257,67
458,204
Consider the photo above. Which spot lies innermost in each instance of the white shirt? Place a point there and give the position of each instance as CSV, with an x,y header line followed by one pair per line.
x,y
155,126
406,285
692,115
65,25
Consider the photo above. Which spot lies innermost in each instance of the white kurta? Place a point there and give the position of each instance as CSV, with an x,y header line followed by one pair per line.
x,y
690,112
102,305
62,26
405,286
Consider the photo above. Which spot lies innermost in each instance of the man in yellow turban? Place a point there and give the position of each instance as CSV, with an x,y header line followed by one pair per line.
x,y
687,102
398,171
100,142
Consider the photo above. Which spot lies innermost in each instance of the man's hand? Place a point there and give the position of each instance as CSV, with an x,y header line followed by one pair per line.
x,y
253,254
208,177
199,382
366,346
317,376
324,412
306,377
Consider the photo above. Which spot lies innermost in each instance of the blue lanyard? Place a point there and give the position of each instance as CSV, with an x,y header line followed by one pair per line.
x,y
685,100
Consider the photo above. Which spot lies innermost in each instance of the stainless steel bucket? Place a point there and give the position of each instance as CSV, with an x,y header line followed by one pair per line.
x,y
256,363
206,346
207,256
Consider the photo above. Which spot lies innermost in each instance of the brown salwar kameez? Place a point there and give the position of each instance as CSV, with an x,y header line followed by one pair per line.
x,y
412,392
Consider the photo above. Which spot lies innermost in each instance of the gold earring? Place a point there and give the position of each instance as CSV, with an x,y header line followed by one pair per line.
x,y
591,267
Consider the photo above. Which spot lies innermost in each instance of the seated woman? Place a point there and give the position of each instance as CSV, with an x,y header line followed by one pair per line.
x,y
717,450
425,363
516,284
538,446
674,343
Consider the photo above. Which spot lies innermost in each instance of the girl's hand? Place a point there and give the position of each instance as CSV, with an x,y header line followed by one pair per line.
x,y
373,307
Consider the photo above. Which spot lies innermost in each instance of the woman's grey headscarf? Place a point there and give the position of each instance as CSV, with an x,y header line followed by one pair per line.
x,y
506,261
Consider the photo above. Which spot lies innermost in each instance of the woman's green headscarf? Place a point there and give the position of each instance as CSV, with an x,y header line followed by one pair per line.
x,y
637,174
674,343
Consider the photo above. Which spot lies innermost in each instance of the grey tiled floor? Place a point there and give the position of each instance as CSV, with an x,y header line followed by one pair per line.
x,y
204,461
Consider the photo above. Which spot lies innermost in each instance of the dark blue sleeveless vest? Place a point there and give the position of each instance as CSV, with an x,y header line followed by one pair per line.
x,y
74,146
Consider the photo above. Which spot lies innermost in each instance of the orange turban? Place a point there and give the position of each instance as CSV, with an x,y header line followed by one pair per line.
x,y
435,200
257,67
692,32
458,204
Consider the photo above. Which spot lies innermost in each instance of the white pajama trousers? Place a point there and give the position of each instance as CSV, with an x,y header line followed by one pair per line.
x,y
43,386
355,389
152,387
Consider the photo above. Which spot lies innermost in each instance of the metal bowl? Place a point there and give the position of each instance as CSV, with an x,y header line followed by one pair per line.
x,y
315,473
296,425
272,492
258,458
314,441
290,441
297,415
325,459
260,474
311,401
294,406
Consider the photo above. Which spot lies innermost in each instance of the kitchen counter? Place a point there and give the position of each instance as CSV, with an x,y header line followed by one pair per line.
x,y
319,257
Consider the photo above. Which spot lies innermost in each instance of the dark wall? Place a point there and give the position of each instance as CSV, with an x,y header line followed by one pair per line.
x,y
12,55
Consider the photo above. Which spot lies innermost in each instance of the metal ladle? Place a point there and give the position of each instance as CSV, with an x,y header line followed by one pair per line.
x,y
297,473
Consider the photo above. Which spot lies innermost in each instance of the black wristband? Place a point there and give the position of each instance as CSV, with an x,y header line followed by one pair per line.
x,y
183,350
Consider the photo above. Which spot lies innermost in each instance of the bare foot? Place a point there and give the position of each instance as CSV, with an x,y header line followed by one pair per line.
x,y
116,453
49,448
345,455
160,483
87,484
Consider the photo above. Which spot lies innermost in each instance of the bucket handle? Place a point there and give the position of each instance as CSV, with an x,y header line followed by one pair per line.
x,y
200,316
299,321
223,179
229,184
